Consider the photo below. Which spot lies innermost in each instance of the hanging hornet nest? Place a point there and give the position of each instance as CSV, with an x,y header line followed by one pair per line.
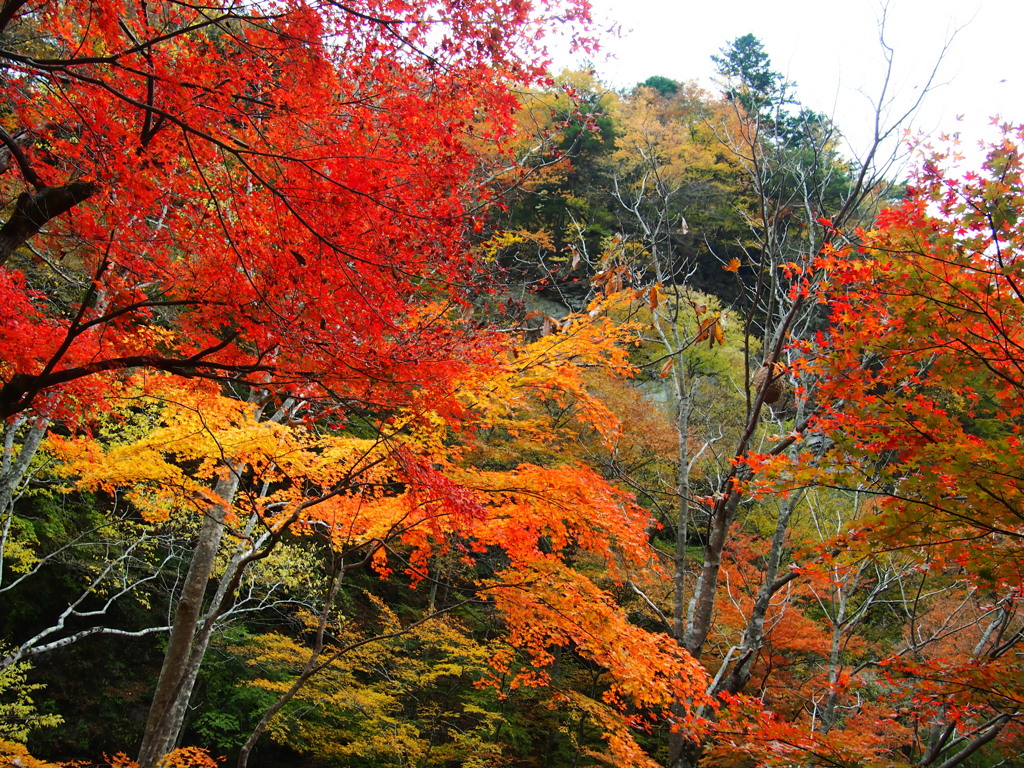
x,y
769,377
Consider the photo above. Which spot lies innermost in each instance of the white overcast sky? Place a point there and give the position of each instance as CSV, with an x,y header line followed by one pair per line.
x,y
830,49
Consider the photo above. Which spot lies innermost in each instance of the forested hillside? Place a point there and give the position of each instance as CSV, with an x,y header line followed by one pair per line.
x,y
373,398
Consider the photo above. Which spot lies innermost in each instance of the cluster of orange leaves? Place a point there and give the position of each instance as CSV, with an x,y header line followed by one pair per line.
x,y
15,755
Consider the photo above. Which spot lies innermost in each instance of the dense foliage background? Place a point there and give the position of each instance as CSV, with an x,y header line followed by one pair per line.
x,y
372,398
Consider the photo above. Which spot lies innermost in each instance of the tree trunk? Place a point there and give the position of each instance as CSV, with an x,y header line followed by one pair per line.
x,y
186,644
699,624
753,635
677,741
13,468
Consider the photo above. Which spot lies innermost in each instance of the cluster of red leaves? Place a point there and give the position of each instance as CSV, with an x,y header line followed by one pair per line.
x,y
921,376
276,192
920,389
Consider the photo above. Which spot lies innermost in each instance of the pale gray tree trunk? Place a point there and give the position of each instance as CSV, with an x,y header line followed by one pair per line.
x,y
188,640
754,633
191,630
14,466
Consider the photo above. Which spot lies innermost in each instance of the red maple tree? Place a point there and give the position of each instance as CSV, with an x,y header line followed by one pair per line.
x,y
921,394
275,193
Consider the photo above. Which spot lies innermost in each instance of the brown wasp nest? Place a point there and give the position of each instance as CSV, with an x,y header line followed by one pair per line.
x,y
769,377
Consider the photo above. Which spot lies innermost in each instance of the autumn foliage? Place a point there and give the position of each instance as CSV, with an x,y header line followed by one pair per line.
x,y
268,399
248,193
927,317
236,274
919,395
